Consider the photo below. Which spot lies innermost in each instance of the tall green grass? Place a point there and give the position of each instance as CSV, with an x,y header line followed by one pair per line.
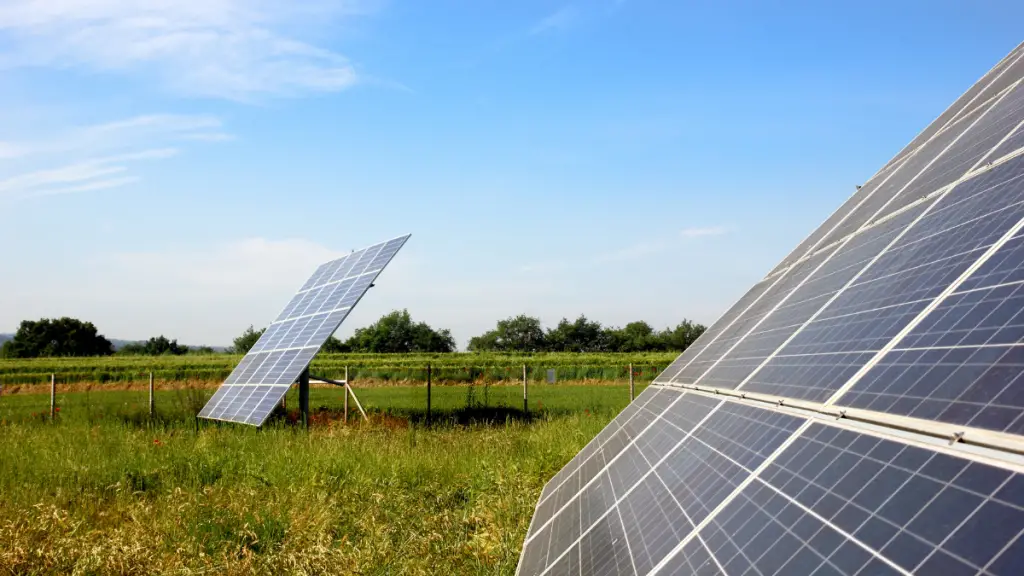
x,y
122,493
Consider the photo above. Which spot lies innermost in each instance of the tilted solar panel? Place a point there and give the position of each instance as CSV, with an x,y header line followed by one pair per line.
x,y
288,345
859,411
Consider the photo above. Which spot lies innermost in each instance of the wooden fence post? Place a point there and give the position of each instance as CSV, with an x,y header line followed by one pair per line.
x,y
53,396
630,381
152,406
526,403
428,392
345,420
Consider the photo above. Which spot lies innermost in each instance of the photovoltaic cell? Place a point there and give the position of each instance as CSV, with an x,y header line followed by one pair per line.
x,y
671,475
899,189
924,511
1007,71
721,325
288,345
907,301
961,363
805,301
729,336
892,291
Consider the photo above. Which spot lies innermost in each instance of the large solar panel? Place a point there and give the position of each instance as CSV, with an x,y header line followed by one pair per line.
x,y
860,410
288,345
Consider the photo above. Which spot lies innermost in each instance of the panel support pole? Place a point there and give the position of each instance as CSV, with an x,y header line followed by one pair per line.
x,y
304,397
631,389
152,407
345,421
428,392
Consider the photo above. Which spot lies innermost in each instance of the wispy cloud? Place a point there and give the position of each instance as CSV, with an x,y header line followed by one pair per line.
x,y
234,49
135,131
559,20
98,156
699,232
94,174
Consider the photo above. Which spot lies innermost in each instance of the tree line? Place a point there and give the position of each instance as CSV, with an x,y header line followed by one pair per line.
x,y
395,332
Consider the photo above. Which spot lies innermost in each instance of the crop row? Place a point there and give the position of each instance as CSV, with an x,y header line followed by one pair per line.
x,y
384,367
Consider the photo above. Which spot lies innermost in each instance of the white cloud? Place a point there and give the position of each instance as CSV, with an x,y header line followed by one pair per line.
x,y
82,176
701,232
120,134
559,20
235,49
89,187
83,158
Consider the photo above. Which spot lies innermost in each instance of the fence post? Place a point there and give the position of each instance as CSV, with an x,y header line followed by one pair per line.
x,y
428,392
53,396
152,407
345,420
630,381
526,403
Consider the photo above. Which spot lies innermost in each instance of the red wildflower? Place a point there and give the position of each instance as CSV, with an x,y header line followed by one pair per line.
x,y
156,442
56,409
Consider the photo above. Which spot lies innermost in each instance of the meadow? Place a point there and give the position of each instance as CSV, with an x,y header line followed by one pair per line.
x,y
106,489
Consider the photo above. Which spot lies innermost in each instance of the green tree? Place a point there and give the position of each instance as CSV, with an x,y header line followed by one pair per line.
x,y
397,333
57,337
582,335
247,340
634,337
680,337
157,346
335,346
517,334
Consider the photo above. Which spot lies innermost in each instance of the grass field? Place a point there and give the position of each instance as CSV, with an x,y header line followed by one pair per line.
x,y
107,490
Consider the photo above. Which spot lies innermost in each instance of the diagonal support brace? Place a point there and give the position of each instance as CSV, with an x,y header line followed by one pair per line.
x,y
348,388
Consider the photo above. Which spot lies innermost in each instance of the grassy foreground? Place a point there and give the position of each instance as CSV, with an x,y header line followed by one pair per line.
x,y
122,494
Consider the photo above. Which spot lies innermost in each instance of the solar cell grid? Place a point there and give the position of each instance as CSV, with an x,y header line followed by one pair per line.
x,y
898,189
773,297
922,510
972,148
594,445
695,474
909,300
807,300
289,344
1012,144
894,290
721,325
980,91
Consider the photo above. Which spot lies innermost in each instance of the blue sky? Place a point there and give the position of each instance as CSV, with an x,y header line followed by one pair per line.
x,y
180,166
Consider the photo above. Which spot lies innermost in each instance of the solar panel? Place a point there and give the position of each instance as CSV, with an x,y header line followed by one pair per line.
x,y
860,410
289,344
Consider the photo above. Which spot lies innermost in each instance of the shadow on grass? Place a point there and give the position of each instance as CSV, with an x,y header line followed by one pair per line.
x,y
324,416
402,418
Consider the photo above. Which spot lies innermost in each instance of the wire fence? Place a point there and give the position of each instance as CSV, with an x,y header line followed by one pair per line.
x,y
438,391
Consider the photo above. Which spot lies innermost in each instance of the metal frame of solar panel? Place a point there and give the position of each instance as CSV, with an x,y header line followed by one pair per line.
x,y
287,347
859,411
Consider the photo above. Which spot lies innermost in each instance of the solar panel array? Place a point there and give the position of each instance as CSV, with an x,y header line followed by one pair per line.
x,y
802,433
289,344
